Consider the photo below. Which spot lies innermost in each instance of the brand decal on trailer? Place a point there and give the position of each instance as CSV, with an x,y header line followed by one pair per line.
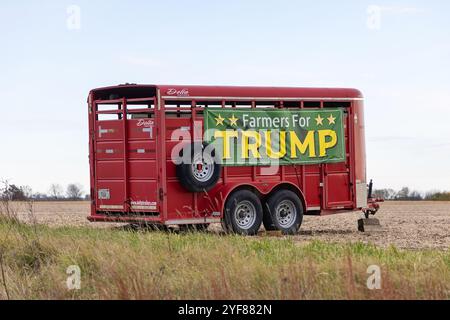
x,y
147,126
145,123
282,137
143,205
104,194
177,92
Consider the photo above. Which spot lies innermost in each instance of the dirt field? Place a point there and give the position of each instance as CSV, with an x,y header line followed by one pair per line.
x,y
408,225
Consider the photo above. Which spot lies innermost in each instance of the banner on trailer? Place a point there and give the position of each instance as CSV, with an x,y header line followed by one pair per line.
x,y
267,137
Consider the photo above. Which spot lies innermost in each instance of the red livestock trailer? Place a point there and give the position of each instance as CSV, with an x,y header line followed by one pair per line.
x,y
240,156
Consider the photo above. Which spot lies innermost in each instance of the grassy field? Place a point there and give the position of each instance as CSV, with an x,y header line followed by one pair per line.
x,y
122,264
406,224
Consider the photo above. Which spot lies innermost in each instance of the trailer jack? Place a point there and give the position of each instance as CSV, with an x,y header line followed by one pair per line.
x,y
373,205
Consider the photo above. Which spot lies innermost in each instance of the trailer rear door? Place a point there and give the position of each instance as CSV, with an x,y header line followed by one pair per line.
x,y
337,177
126,168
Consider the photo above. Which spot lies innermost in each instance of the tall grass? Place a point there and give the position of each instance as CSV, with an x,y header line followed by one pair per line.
x,y
120,264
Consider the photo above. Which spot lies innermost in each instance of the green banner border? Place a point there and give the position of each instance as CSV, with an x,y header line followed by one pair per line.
x,y
284,161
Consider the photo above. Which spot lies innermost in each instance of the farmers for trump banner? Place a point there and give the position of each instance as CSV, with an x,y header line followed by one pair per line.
x,y
265,137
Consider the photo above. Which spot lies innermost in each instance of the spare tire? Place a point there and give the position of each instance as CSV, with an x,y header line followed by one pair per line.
x,y
201,170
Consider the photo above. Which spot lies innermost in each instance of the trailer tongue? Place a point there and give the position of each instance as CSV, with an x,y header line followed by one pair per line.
x,y
370,224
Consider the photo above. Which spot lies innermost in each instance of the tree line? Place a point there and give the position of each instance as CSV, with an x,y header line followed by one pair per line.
x,y
75,192
56,192
405,194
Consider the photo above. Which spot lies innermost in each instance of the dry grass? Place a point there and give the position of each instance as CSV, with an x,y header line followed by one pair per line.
x,y
119,264
38,242
407,225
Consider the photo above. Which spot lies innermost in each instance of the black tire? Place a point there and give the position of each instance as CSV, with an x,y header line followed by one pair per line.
x,y
286,211
194,179
243,213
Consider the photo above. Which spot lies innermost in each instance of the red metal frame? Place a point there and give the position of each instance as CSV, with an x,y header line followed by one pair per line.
x,y
147,177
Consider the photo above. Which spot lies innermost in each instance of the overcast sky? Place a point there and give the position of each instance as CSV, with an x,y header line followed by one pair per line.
x,y
396,52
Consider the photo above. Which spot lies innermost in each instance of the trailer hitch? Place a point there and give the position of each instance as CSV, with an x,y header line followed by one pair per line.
x,y
373,205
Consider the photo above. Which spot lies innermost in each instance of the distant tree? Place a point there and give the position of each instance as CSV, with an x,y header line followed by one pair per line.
x,y
432,194
15,193
415,196
40,196
403,194
437,196
74,192
445,196
386,194
56,191
27,191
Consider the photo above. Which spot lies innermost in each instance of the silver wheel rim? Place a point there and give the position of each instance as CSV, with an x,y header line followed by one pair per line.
x,y
245,214
202,169
286,213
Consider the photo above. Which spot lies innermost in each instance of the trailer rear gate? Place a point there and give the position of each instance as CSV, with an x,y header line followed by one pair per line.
x,y
126,165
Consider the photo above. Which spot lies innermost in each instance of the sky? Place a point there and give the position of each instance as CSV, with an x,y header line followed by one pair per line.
x,y
396,52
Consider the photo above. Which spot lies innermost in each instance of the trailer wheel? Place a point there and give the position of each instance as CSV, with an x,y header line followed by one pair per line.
x,y
286,211
243,213
201,171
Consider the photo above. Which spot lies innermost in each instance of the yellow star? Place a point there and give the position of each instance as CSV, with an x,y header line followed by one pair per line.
x,y
219,120
233,121
319,120
331,119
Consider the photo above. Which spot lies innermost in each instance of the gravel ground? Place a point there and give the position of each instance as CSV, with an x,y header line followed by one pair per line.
x,y
409,225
